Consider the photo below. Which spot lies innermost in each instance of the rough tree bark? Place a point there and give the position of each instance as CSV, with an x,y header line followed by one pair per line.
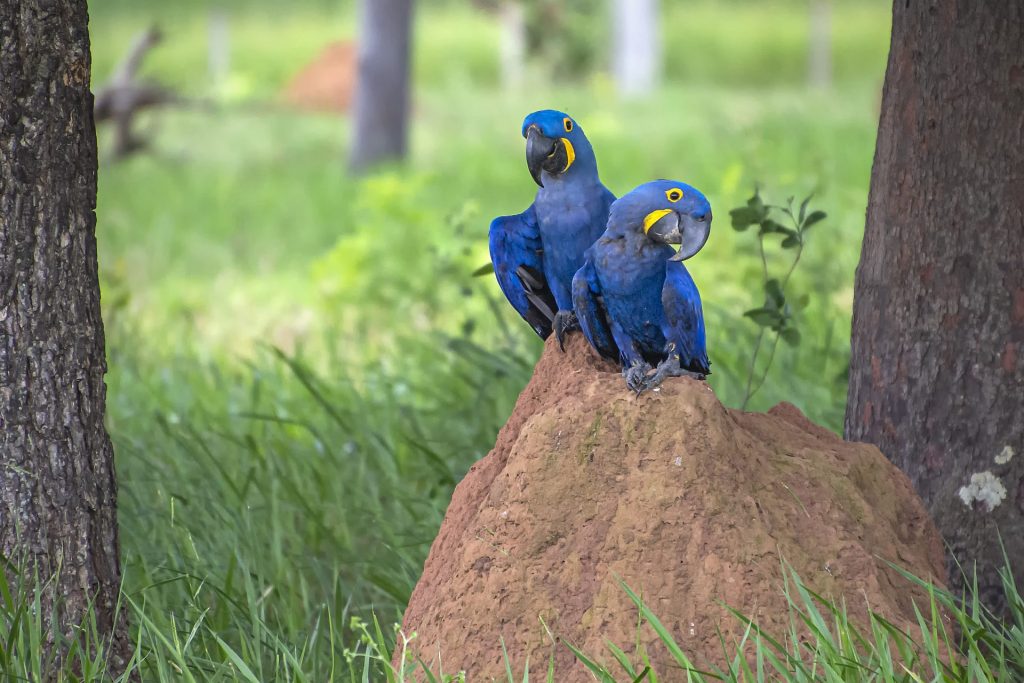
x,y
381,120
937,367
57,489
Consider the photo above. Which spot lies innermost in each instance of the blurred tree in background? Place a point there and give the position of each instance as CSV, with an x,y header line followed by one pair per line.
x,y
636,58
819,57
381,112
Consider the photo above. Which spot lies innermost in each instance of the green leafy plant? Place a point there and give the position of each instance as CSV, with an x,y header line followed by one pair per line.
x,y
776,317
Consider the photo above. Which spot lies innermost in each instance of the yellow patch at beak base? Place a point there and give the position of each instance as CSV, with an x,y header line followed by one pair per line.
x,y
570,154
653,217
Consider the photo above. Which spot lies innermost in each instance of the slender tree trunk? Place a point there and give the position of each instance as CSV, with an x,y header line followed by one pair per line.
x,y
219,47
382,87
57,488
637,46
819,54
937,367
513,43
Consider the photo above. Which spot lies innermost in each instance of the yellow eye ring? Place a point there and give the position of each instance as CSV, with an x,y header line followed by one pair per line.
x,y
567,123
674,195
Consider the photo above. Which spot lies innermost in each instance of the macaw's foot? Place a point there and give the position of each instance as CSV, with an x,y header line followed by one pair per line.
x,y
636,376
669,368
565,321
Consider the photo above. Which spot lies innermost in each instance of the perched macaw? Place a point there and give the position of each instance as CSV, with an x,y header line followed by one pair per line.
x,y
635,300
536,253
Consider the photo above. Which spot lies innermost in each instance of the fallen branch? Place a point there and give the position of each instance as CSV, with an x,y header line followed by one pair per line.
x,y
124,95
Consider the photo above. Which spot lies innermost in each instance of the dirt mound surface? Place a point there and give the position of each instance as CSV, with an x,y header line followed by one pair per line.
x,y
689,502
328,82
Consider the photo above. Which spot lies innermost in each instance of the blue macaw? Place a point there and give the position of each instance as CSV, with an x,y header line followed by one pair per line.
x,y
635,300
536,253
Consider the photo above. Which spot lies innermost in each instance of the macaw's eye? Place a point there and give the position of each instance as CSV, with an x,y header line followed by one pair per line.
x,y
567,122
674,195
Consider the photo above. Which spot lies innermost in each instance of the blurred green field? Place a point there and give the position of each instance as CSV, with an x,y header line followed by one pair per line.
x,y
301,365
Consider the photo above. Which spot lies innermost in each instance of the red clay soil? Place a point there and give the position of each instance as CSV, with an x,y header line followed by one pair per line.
x,y
689,502
328,82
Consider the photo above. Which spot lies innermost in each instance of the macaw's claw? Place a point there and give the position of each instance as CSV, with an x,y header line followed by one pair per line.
x,y
636,377
564,321
670,368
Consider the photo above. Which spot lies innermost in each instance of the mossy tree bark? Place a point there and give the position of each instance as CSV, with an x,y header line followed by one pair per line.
x,y
57,488
937,367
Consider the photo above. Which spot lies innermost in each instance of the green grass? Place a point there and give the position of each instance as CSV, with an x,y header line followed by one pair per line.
x,y
301,365
954,640
265,500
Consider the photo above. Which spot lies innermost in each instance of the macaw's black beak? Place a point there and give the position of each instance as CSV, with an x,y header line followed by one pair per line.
x,y
544,154
688,231
695,232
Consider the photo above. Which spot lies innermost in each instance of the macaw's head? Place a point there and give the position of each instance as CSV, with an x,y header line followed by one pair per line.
x,y
555,145
666,211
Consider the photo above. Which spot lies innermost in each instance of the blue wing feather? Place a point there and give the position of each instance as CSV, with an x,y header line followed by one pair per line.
x,y
517,255
586,293
683,325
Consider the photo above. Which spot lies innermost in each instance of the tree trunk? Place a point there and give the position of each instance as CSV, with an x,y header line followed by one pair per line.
x,y
219,48
57,488
513,44
937,367
382,87
637,51
819,54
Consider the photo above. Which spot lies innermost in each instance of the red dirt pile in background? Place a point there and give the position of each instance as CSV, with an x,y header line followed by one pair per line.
x,y
689,502
328,82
